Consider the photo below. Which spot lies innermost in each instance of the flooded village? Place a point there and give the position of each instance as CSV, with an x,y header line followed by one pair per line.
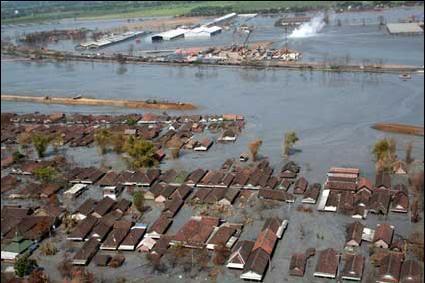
x,y
221,145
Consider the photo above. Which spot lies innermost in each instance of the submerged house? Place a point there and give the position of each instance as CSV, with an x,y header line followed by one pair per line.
x,y
353,267
383,236
17,247
327,264
240,254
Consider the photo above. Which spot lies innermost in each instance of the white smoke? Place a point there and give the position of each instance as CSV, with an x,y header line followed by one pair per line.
x,y
308,29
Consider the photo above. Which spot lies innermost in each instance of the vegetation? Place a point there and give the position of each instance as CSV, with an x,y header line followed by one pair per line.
x,y
40,143
409,158
17,155
288,142
131,122
24,265
385,154
175,152
254,148
45,174
102,138
47,248
30,11
57,141
141,152
139,201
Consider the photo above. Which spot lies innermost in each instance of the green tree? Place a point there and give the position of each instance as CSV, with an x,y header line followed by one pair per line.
x,y
288,142
139,201
17,155
57,141
384,151
24,265
40,143
102,138
45,174
142,152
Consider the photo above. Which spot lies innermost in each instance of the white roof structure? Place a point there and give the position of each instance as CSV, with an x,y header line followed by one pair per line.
x,y
404,28
76,189
221,19
203,31
170,34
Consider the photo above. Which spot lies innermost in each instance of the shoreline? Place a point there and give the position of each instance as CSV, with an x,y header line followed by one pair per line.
x,y
100,102
309,66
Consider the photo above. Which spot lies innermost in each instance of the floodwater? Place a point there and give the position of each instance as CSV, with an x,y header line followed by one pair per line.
x,y
331,112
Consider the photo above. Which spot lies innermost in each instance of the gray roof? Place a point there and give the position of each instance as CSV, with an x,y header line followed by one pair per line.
x,y
404,28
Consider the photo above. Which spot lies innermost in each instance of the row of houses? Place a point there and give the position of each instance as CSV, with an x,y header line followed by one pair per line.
x,y
253,257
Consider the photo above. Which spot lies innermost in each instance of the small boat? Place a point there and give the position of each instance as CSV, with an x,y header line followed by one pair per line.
x,y
405,76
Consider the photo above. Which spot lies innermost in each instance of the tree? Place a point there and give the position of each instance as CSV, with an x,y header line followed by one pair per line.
x,y
24,139
17,155
117,142
175,152
102,138
57,141
45,174
24,265
40,143
409,158
139,201
254,147
385,154
142,152
288,142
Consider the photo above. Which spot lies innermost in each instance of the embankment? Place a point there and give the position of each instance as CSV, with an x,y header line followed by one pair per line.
x,y
399,128
100,102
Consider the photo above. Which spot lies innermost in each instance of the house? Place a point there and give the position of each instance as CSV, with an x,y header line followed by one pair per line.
x,y
383,180
146,244
300,186
102,228
18,246
410,272
75,191
346,203
200,195
332,201
154,191
111,178
117,235
122,205
354,234
272,183
266,240
380,201
49,189
165,193
327,264
228,136
276,225
312,194
182,192
203,145
172,206
364,184
159,227
383,235
240,180
400,167
179,179
353,267
362,198
167,177
133,238
240,254
221,237
289,170
195,177
341,186
256,265
103,207
112,192
278,195
225,181
83,228
285,184
359,212
86,252
195,232
297,264
400,203
398,245
101,260
390,268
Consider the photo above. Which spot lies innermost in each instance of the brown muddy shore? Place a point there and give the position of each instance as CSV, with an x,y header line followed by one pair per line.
x,y
100,102
399,128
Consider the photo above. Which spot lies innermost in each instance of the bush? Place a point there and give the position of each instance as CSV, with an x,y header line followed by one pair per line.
x,y
17,155
40,143
139,201
24,265
45,174
48,249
